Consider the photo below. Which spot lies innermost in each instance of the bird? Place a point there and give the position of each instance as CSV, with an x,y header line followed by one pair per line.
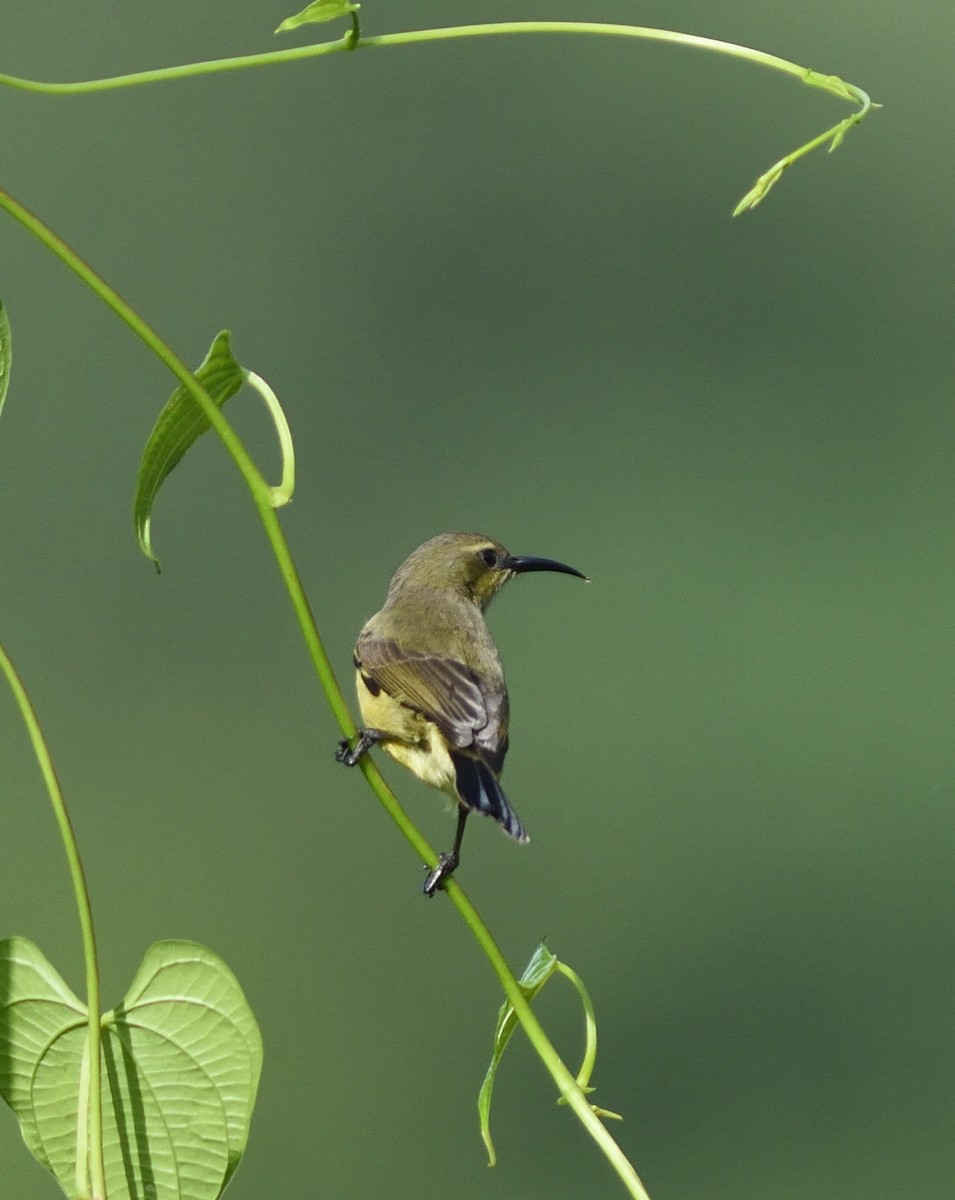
x,y
430,683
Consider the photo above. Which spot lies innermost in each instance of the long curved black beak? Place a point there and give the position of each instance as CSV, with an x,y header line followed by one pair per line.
x,y
519,563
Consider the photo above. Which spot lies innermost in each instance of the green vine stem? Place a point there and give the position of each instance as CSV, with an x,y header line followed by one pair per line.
x,y
354,41
262,497
90,1171
282,492
590,1044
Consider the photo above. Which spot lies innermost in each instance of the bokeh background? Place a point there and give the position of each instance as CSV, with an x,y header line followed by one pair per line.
x,y
497,286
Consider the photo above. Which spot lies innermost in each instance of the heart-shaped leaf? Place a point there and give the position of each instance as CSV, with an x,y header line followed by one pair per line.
x,y
181,1062
179,424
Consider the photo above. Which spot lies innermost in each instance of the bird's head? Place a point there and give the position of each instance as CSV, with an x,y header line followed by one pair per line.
x,y
469,564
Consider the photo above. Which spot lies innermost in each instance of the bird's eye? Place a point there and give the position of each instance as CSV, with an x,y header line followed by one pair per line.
x,y
489,557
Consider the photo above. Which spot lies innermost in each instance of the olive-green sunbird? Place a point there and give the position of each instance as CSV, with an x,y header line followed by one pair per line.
x,y
430,683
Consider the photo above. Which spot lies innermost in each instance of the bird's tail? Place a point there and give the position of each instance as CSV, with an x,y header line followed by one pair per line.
x,y
480,791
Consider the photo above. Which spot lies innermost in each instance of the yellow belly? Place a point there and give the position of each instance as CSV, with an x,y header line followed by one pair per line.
x,y
413,740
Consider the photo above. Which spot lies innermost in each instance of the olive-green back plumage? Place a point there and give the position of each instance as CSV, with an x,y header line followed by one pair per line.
x,y
430,648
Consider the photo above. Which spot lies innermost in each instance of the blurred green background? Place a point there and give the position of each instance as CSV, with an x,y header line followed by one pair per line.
x,y
496,286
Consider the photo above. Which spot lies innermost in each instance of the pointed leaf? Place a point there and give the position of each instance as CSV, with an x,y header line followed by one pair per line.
x,y
5,347
317,13
540,968
180,423
181,1054
542,965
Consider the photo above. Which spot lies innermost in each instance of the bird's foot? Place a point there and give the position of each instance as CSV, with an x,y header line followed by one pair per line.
x,y
344,754
439,875
366,739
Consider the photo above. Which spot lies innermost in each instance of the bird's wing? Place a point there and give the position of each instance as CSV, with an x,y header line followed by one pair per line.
x,y
445,690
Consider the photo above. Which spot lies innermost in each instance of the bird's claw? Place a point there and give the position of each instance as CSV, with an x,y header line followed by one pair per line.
x,y
366,739
439,875
345,754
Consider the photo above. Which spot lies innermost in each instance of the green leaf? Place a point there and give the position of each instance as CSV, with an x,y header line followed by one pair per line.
x,y
317,13
5,349
180,423
542,965
181,1062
